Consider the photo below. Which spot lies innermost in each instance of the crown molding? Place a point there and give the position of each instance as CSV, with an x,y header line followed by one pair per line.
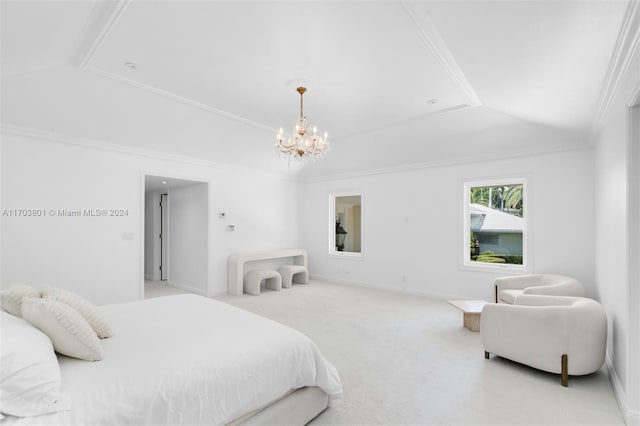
x,y
110,22
179,98
428,34
431,38
122,149
624,51
407,120
444,163
117,9
158,155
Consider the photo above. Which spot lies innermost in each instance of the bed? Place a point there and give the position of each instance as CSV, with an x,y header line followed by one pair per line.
x,y
190,360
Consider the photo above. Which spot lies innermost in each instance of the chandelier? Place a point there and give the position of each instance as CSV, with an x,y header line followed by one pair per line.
x,y
304,142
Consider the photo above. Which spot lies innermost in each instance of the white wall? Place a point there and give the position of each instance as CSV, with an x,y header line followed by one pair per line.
x,y
151,233
412,224
617,293
102,258
188,242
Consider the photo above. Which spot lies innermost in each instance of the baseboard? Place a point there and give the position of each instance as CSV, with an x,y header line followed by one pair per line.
x,y
217,293
616,384
631,417
187,288
393,289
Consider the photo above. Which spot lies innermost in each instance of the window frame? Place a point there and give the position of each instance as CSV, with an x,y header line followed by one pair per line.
x,y
465,261
332,226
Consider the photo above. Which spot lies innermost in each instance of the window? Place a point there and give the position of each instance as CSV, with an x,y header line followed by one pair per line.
x,y
345,224
495,224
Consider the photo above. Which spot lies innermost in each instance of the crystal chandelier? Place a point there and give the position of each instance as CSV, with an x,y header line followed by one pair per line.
x,y
303,142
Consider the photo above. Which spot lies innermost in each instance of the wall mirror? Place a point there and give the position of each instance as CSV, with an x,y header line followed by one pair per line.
x,y
346,224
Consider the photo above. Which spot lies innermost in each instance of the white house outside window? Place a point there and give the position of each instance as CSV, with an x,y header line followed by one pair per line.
x,y
495,224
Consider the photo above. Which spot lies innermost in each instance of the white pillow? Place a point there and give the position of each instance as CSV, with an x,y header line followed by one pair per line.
x,y
83,306
11,299
30,374
70,333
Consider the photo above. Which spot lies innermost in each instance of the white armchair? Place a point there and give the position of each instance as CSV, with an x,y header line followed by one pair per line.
x,y
508,288
562,335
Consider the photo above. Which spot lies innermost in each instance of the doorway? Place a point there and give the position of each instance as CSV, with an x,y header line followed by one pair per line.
x,y
164,237
633,243
176,241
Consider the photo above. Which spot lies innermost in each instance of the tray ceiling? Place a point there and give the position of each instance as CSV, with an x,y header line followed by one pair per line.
x,y
394,83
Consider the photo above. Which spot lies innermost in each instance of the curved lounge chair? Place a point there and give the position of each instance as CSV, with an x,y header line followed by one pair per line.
x,y
508,288
558,334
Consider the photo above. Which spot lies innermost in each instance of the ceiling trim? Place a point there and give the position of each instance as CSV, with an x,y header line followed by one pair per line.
x,y
445,163
85,63
431,38
112,147
158,155
406,120
626,46
118,9
181,99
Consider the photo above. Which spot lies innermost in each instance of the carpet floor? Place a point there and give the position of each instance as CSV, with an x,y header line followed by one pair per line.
x,y
407,360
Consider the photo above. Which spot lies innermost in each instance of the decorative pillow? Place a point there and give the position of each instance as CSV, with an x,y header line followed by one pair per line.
x,y
70,333
30,374
11,299
83,306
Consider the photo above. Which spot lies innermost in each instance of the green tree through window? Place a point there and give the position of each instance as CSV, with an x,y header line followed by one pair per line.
x,y
495,222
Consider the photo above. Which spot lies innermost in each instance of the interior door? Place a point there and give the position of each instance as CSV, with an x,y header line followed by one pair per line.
x,y
164,237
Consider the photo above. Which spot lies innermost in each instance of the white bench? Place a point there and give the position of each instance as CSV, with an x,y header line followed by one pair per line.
x,y
237,260
252,280
293,274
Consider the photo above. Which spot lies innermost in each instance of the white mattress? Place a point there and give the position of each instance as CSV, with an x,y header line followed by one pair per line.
x,y
187,359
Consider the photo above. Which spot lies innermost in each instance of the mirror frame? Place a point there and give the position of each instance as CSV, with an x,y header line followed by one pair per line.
x,y
332,225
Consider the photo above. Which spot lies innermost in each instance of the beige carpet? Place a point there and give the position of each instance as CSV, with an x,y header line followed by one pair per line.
x,y
407,360
159,288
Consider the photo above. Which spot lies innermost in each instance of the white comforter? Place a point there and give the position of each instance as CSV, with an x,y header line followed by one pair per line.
x,y
187,360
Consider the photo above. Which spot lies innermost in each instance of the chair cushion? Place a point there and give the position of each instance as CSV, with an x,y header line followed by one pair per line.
x,y
509,295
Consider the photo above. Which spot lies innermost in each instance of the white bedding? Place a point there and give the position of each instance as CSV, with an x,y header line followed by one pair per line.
x,y
187,359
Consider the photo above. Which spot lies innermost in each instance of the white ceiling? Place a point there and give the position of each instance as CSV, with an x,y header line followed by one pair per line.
x,y
213,78
163,183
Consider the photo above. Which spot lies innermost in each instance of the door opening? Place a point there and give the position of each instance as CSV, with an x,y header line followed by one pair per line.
x,y
164,237
176,242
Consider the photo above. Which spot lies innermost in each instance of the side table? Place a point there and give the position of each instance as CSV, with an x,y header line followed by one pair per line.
x,y
471,310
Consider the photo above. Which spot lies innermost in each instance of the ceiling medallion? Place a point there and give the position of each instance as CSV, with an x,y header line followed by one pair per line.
x,y
304,142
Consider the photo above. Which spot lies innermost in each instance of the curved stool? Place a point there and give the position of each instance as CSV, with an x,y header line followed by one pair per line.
x,y
293,274
252,280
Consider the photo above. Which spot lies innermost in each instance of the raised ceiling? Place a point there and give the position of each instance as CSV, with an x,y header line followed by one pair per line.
x,y
394,83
